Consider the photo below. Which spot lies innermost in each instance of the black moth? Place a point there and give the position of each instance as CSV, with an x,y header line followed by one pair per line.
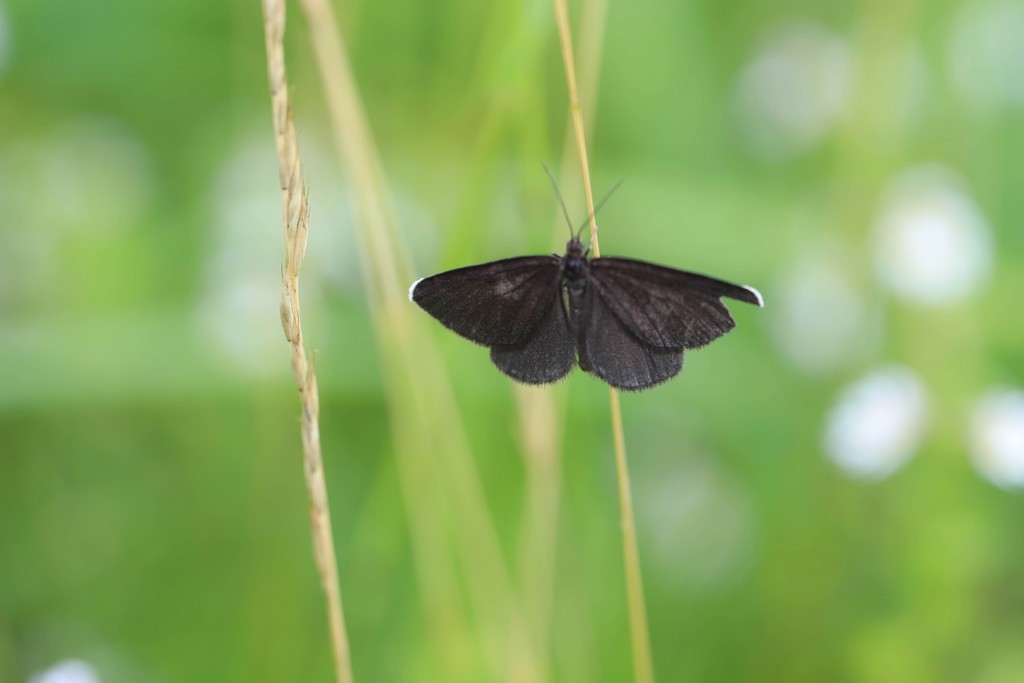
x,y
627,321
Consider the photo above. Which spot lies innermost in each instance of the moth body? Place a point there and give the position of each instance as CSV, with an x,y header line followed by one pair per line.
x,y
624,321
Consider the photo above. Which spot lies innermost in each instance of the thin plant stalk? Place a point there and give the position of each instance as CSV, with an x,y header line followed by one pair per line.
x,y
542,409
295,201
420,396
643,670
541,418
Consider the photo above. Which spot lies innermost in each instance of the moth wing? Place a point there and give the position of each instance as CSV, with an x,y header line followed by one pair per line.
x,y
545,355
610,350
494,303
667,308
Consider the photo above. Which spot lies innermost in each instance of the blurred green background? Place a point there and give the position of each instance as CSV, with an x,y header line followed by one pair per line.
x,y
831,492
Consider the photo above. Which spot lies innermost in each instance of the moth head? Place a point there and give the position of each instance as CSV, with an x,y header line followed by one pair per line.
x,y
574,247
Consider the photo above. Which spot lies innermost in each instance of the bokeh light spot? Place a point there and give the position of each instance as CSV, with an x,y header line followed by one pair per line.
x,y
877,424
96,176
67,671
823,322
696,523
239,310
794,90
932,246
997,437
986,53
90,178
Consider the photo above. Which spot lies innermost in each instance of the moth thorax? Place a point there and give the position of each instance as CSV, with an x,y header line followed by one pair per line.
x,y
574,266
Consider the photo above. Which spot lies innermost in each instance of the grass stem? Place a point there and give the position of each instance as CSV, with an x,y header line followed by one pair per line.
x,y
295,201
643,670
438,474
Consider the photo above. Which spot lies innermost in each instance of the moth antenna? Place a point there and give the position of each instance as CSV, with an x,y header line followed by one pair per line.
x,y
597,207
565,211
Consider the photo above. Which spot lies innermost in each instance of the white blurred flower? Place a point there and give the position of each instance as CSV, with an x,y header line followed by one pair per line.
x,y
822,321
245,255
932,246
241,316
997,437
239,310
28,262
96,176
795,89
90,178
877,424
697,526
67,671
986,53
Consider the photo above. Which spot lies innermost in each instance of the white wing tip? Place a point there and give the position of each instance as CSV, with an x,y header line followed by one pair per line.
x,y
412,287
760,299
